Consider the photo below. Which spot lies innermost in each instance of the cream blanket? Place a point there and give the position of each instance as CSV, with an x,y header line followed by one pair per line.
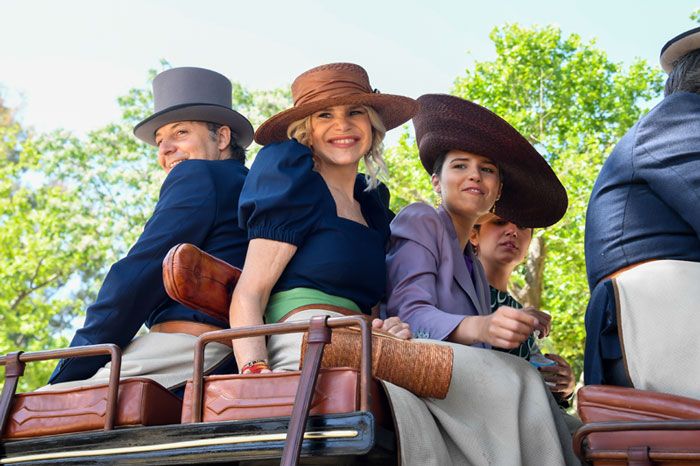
x,y
659,321
497,411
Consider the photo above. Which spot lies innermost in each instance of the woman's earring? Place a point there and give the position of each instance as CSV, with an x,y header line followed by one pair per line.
x,y
493,209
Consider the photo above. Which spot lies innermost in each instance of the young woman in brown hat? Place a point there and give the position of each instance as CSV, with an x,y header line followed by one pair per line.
x,y
317,229
478,163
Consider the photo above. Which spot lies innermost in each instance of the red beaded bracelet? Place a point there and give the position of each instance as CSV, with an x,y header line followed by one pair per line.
x,y
255,367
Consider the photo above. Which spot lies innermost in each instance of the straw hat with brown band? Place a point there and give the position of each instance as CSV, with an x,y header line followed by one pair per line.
x,y
335,84
532,195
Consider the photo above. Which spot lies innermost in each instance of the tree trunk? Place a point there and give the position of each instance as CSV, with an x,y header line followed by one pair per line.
x,y
531,293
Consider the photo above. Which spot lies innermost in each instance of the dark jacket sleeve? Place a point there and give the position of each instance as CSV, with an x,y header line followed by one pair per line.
x,y
133,287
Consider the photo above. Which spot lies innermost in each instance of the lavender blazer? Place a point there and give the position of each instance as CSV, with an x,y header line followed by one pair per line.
x,y
428,282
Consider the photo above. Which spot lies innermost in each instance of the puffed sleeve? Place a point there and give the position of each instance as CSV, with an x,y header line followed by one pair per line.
x,y
413,265
283,198
671,164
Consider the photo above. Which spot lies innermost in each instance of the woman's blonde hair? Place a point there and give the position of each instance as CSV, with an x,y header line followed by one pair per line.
x,y
374,161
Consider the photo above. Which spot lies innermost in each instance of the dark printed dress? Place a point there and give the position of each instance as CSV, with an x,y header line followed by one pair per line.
x,y
503,298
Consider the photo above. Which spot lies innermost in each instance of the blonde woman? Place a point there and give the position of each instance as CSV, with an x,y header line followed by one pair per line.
x,y
317,230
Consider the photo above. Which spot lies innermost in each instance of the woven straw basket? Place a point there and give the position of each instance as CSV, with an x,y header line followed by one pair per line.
x,y
422,368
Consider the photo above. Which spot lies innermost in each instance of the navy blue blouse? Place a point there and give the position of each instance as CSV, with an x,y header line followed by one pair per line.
x,y
284,199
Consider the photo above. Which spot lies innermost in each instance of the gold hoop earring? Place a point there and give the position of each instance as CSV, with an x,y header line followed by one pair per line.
x,y
493,209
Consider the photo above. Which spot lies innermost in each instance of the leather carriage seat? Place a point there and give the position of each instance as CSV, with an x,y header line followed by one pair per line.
x,y
141,402
637,426
245,397
201,281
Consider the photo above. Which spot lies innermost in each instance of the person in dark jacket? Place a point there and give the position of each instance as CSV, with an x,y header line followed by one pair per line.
x,y
200,141
643,241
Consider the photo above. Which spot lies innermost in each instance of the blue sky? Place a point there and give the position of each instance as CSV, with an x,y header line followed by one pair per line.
x,y
66,62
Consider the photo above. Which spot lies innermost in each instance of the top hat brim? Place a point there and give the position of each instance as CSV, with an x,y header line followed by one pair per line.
x,y
240,126
679,46
532,195
393,110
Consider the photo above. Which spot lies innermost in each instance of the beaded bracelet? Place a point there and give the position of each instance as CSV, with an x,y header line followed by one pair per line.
x,y
255,367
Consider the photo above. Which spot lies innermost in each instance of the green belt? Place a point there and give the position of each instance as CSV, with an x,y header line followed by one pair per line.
x,y
281,303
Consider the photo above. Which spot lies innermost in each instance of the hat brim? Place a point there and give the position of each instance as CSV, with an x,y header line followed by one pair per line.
x,y
240,126
679,46
532,195
394,110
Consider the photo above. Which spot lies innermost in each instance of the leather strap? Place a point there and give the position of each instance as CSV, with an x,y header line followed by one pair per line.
x,y
14,368
319,336
184,326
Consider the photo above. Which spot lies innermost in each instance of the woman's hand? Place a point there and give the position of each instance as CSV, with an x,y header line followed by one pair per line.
x,y
507,327
544,320
394,326
559,378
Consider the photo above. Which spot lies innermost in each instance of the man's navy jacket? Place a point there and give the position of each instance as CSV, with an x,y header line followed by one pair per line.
x,y
645,205
198,204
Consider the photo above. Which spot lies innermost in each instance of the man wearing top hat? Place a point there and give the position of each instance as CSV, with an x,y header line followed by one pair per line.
x,y
200,141
643,242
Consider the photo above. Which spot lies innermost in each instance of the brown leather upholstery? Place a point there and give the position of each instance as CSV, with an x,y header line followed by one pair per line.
x,y
236,397
199,280
141,402
636,412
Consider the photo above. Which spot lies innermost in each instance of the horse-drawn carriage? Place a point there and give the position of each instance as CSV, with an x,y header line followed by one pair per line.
x,y
312,416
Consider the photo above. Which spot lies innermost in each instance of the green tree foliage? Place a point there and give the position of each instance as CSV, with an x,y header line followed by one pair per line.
x,y
695,15
69,208
408,180
569,100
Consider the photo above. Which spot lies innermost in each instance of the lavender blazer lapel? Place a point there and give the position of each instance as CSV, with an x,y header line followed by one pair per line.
x,y
461,272
482,289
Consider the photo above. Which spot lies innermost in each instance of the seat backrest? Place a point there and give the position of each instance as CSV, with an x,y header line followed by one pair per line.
x,y
599,403
199,280
640,427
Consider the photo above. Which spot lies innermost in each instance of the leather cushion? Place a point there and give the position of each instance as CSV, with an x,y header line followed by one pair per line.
x,y
141,402
237,397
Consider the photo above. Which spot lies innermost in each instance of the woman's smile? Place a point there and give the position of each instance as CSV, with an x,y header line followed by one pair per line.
x,y
341,135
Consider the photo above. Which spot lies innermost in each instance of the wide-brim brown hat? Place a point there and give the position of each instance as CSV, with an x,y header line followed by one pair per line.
x,y
335,84
679,46
532,195
193,94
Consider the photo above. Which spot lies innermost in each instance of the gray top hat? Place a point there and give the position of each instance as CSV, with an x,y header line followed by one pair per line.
x,y
679,46
195,94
